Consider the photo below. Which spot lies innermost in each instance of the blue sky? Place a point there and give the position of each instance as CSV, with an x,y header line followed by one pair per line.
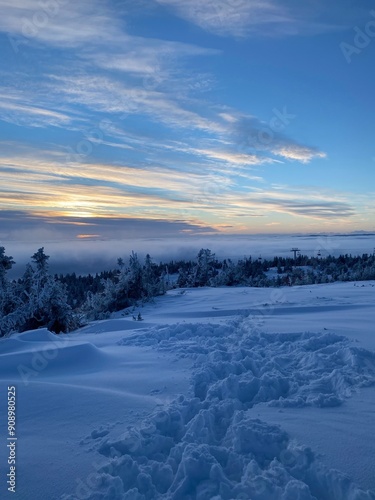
x,y
169,118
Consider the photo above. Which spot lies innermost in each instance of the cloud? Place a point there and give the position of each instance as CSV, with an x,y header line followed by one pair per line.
x,y
31,105
320,209
251,134
87,256
108,95
241,18
148,57
94,38
63,23
226,17
296,152
20,113
169,153
147,82
56,189
233,157
19,225
22,232
302,202
43,184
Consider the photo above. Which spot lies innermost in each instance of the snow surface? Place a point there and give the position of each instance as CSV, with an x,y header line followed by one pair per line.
x,y
225,393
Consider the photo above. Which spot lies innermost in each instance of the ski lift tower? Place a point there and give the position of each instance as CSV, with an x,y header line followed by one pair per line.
x,y
295,250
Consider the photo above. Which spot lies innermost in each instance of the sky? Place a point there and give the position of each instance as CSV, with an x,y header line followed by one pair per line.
x,y
126,119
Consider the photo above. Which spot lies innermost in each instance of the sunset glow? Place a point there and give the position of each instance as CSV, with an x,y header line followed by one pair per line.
x,y
236,119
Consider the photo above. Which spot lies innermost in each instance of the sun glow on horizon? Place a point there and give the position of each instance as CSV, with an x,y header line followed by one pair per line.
x,y
198,132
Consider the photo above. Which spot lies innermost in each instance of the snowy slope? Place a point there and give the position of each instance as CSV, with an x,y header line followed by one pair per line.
x,y
277,391
71,389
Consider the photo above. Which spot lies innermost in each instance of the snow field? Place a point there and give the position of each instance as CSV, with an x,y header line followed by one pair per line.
x,y
208,446
72,390
109,413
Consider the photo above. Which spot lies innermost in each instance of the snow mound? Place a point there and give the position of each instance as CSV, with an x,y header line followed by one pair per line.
x,y
194,450
232,361
50,358
41,335
26,340
209,447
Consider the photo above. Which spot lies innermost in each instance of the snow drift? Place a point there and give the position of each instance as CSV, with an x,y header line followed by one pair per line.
x,y
209,445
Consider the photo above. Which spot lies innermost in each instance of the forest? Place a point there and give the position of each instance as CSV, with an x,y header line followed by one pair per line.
x,y
64,302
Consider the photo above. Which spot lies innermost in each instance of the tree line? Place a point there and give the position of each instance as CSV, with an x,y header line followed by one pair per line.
x,y
64,302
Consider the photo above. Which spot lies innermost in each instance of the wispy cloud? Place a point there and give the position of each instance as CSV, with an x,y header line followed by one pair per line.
x,y
63,23
148,56
108,95
251,134
317,206
25,114
44,185
232,158
24,226
243,137
240,18
147,81
297,152
145,134
30,105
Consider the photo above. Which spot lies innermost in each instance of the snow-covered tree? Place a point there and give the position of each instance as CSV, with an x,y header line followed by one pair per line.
x,y
45,300
126,286
183,279
151,283
8,297
204,269
226,275
135,281
6,264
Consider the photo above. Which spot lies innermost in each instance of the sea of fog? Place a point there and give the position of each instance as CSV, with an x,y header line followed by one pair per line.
x,y
97,255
